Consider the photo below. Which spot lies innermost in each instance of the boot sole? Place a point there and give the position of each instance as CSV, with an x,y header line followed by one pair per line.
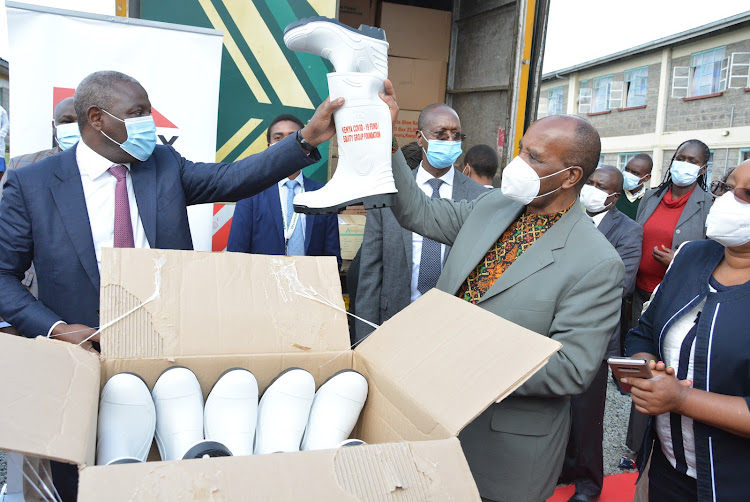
x,y
210,448
370,202
368,31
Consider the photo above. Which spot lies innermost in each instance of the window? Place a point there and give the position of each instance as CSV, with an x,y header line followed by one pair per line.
x,y
600,93
709,167
555,101
706,69
636,81
601,160
739,70
707,74
624,158
744,155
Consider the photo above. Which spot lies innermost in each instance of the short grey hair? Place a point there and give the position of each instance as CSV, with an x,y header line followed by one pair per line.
x,y
96,90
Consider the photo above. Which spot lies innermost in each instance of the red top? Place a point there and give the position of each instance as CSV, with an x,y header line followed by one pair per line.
x,y
658,231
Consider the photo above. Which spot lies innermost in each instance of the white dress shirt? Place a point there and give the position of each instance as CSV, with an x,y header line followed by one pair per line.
x,y
283,194
599,217
446,192
99,191
672,343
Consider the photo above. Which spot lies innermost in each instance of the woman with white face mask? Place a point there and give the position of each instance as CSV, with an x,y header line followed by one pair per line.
x,y
696,327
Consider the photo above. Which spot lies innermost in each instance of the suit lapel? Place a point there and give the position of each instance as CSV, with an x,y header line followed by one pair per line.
x,y
692,206
608,222
67,192
497,222
143,175
539,254
309,219
273,199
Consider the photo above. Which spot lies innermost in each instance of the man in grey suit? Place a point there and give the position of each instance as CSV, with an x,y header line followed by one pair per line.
x,y
391,256
584,456
529,254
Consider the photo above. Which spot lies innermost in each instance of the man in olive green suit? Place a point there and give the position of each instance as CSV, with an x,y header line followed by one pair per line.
x,y
529,254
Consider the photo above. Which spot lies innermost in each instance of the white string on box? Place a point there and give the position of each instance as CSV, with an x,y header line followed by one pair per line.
x,y
156,294
51,497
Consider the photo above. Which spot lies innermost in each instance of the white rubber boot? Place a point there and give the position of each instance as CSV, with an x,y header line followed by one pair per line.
x,y
364,132
362,50
127,420
232,410
283,412
335,411
179,412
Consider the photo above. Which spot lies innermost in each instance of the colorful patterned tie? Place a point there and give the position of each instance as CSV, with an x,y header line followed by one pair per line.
x,y
430,265
296,244
123,225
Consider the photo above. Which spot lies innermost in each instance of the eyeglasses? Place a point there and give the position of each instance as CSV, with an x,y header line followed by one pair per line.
x,y
719,188
445,135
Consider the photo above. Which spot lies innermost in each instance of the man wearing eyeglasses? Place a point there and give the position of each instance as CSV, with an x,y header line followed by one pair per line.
x,y
398,266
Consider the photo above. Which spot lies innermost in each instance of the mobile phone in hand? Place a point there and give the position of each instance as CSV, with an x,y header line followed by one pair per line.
x,y
626,367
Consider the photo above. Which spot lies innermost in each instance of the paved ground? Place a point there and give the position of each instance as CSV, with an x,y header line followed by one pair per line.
x,y
616,416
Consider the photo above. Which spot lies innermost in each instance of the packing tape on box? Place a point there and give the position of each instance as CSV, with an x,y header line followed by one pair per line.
x,y
286,277
287,273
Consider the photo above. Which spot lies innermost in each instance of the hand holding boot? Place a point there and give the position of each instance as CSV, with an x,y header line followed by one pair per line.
x,y
321,128
389,96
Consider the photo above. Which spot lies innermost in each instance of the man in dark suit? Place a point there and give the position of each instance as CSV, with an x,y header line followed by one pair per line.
x,y
391,257
584,456
115,187
265,223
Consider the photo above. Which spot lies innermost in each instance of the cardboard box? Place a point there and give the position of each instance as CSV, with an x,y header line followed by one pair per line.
x,y
414,32
351,232
417,82
356,12
405,129
429,375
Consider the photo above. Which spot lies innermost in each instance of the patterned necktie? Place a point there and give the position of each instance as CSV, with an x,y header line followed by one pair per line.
x,y
296,244
123,225
430,265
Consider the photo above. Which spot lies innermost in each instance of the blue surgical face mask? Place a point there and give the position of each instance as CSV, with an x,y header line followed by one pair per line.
x,y
683,173
67,135
141,136
441,154
630,180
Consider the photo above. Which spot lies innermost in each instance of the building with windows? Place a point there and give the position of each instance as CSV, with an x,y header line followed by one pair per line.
x,y
651,98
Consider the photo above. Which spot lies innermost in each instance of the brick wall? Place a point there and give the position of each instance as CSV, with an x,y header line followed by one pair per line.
x,y
628,122
712,112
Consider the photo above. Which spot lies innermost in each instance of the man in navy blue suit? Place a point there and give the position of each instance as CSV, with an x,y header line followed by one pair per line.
x,y
266,224
61,211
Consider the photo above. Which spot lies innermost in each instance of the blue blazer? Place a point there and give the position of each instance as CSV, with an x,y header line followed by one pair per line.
x,y
257,226
43,218
721,361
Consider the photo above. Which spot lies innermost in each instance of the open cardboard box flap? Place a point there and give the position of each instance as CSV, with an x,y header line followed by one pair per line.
x,y
450,360
213,304
50,395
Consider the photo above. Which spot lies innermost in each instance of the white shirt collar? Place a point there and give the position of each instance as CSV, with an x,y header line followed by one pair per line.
x,y
423,176
299,178
90,163
599,217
